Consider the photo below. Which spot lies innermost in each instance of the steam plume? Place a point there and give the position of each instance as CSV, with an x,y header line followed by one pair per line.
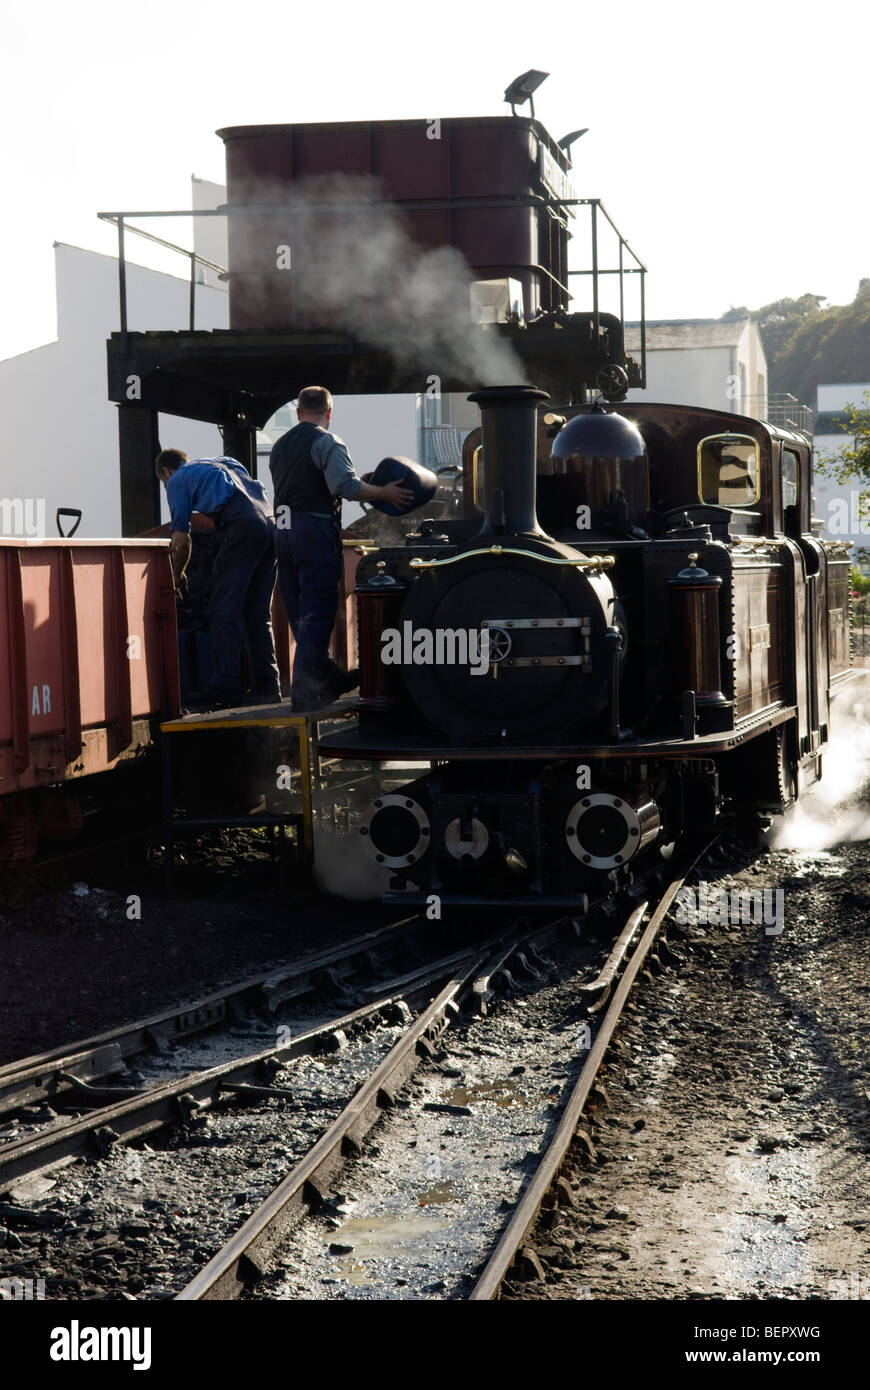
x,y
356,267
343,866
837,810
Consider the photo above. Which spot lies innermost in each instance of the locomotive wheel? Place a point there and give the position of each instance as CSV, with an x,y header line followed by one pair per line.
x,y
762,775
786,770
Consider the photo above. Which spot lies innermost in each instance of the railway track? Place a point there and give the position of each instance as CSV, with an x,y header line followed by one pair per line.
x,y
253,1080
423,1000
540,1188
249,1253
253,1251
44,1076
83,1078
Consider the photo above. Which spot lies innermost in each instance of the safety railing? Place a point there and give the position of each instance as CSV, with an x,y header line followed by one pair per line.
x,y
121,220
598,211
628,262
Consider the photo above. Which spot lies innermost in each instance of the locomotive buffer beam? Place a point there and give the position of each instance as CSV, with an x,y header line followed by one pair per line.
x,y
397,745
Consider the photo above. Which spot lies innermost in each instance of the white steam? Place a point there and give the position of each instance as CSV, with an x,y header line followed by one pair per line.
x,y
343,866
356,267
837,809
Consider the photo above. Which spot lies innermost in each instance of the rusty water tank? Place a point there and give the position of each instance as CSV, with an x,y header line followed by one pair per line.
x,y
487,186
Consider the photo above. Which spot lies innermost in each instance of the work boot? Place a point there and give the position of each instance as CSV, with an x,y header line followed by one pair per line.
x,y
339,682
307,699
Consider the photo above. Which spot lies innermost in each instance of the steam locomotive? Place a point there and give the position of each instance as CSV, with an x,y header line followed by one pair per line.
x,y
630,629
632,632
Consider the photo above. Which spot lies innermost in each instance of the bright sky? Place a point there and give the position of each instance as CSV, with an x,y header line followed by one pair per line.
x,y
729,142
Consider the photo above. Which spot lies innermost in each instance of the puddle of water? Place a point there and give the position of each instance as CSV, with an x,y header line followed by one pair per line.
x,y
440,1193
379,1238
501,1093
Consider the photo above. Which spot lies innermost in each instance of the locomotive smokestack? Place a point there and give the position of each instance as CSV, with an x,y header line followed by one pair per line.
x,y
509,419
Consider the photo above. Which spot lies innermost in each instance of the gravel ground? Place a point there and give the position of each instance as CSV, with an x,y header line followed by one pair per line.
x,y
140,1223
73,963
732,1159
419,1211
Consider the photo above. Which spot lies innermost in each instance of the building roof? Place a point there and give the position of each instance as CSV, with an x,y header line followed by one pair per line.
x,y
686,333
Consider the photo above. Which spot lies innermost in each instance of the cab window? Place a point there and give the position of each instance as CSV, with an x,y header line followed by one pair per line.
x,y
728,470
790,475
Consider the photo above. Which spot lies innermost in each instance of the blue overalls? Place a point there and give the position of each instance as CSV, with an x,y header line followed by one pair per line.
x,y
241,600
309,570
244,571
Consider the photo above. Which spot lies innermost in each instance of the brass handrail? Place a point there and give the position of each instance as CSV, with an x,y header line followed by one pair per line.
x,y
593,562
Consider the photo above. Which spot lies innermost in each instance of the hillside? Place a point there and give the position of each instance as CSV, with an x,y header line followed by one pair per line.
x,y
807,344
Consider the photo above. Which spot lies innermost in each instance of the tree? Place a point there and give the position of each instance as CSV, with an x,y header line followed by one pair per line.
x,y
806,344
852,460
777,323
860,582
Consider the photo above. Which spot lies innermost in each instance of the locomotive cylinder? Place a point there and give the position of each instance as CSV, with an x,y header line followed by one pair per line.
x,y
396,830
509,420
379,605
693,603
604,831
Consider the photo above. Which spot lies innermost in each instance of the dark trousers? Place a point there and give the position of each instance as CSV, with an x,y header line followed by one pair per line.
x,y
241,599
309,569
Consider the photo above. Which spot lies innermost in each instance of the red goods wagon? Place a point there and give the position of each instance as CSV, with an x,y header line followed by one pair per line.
x,y
89,660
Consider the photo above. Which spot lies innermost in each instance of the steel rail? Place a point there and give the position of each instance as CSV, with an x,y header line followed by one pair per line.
x,y
248,1254
38,1078
497,1268
605,977
175,1101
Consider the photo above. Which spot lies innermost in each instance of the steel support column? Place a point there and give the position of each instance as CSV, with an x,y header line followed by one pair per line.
x,y
240,442
139,446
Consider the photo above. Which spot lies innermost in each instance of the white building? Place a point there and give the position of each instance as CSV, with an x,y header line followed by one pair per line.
x,y
837,505
60,432
209,233
705,362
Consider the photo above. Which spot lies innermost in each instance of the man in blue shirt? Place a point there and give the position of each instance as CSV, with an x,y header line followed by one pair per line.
x,y
244,570
312,471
